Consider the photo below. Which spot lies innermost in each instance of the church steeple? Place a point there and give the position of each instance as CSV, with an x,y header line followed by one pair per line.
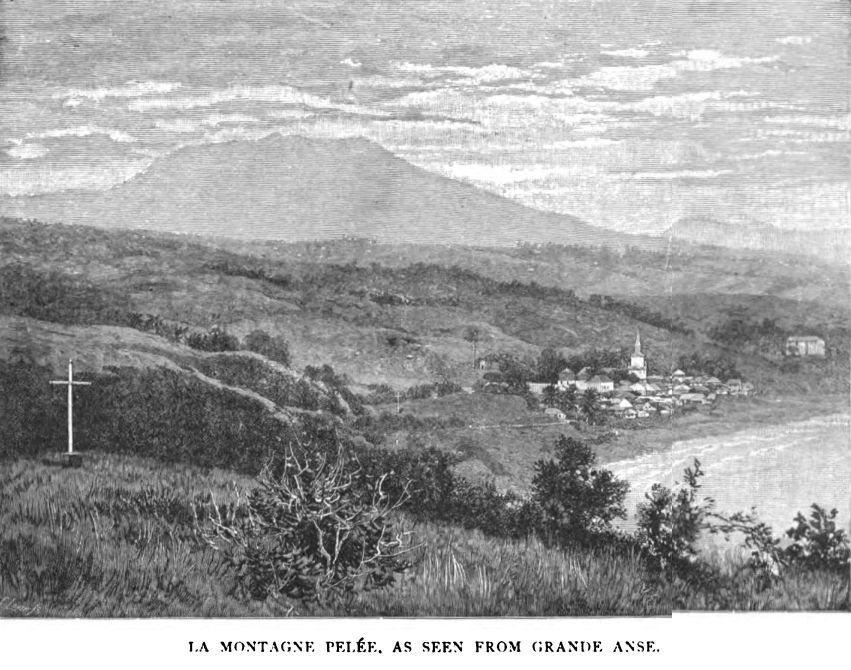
x,y
637,363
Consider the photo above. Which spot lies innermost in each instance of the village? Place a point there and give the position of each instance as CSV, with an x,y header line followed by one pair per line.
x,y
593,396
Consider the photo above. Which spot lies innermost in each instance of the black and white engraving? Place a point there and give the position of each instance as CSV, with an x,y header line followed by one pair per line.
x,y
436,308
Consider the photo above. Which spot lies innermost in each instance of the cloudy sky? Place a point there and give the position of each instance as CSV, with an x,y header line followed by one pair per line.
x,y
630,114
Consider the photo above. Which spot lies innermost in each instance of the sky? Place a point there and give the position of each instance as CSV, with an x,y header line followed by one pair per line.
x,y
628,114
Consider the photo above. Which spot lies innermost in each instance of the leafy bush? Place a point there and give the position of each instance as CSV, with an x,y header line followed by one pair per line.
x,y
313,531
423,478
670,523
497,514
576,500
273,348
818,543
214,339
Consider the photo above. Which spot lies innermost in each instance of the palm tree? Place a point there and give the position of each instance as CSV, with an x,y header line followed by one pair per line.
x,y
550,396
589,405
473,335
566,399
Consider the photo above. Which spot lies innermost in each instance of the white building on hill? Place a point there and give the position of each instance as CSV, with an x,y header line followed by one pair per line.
x,y
637,362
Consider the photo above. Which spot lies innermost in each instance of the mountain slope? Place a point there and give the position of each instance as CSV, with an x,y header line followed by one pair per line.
x,y
293,188
831,244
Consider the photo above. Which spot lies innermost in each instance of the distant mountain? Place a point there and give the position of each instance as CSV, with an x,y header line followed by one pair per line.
x,y
294,188
830,244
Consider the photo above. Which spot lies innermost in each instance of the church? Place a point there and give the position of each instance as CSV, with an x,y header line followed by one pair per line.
x,y
637,362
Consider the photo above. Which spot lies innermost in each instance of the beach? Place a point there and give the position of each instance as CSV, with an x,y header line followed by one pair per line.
x,y
779,469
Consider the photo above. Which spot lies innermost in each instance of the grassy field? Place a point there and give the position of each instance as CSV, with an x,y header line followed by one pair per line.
x,y
117,538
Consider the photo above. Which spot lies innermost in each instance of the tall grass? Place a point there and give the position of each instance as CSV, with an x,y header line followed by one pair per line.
x,y
119,538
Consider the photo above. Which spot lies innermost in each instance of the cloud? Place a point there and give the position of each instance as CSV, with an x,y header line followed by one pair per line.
x,y
806,136
283,114
842,122
49,176
27,151
469,75
645,77
590,143
82,131
177,125
770,153
503,110
269,94
219,119
132,89
794,40
627,53
674,174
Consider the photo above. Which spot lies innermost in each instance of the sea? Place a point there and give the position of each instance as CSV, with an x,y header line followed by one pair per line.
x,y
778,469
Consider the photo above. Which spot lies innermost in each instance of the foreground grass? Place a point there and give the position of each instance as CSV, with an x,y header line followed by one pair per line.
x,y
118,538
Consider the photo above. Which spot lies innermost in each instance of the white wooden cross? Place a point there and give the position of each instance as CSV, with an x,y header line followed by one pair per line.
x,y
71,382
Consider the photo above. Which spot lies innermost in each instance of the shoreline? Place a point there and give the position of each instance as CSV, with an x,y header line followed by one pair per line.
x,y
731,416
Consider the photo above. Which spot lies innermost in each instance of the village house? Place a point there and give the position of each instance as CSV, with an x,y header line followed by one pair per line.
x,y
555,413
566,378
489,363
537,387
601,384
582,378
805,345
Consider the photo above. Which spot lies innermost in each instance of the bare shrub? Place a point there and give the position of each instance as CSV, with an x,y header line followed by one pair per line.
x,y
314,529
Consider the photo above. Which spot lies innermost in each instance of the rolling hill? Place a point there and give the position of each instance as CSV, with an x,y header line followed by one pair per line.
x,y
114,300
831,244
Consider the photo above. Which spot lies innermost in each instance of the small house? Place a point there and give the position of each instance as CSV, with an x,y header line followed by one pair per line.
x,y
566,379
693,399
582,378
537,388
623,405
555,413
567,375
601,384
805,345
489,363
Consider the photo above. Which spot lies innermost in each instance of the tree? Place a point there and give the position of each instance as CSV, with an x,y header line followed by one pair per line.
x,y
550,364
473,335
576,499
274,348
566,399
670,523
589,405
550,395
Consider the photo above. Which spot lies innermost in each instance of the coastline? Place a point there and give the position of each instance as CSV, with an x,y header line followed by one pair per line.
x,y
780,469
730,416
